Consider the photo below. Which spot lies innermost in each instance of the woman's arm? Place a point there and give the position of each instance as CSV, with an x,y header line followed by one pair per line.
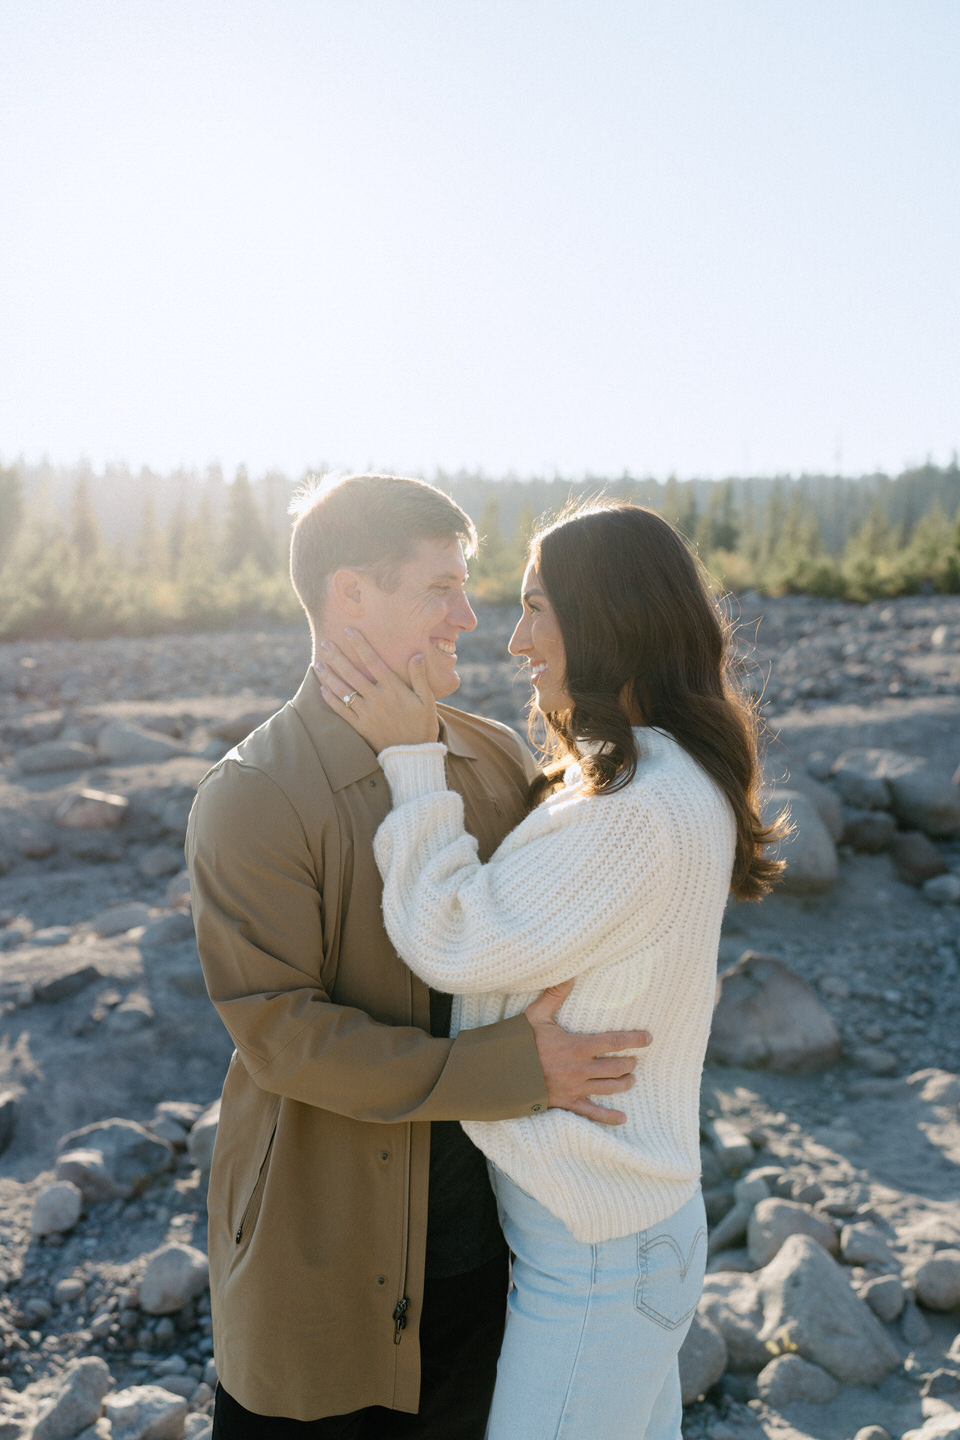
x,y
579,882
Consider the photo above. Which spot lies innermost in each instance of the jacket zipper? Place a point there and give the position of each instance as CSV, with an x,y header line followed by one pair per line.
x,y
253,1193
400,1313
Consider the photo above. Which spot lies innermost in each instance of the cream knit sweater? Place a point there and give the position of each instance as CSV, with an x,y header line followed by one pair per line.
x,y
624,891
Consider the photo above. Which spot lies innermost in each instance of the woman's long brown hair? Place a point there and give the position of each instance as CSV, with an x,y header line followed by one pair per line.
x,y
646,644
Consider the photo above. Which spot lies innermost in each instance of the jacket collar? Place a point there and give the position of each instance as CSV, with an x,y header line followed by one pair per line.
x,y
346,757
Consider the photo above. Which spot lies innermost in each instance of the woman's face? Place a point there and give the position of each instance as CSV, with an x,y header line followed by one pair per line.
x,y
538,638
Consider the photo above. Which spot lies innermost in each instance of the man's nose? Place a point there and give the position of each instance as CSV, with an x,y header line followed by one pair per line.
x,y
462,614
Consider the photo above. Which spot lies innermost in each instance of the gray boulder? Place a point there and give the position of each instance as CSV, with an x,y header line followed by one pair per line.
x,y
118,919
146,1412
91,810
79,1402
915,858
791,1380
56,1209
866,1244
731,1302
768,1017
922,796
808,1303
9,1109
128,1156
202,1137
869,832
937,1281
703,1359
885,1296
809,851
124,744
54,755
773,1222
175,1274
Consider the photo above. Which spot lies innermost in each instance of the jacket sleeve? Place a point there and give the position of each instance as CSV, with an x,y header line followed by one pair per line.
x,y
577,883
258,910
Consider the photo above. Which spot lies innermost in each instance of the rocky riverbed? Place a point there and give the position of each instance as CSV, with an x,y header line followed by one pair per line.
x,y
831,1115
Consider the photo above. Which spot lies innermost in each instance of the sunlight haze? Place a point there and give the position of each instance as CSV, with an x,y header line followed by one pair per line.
x,y
698,237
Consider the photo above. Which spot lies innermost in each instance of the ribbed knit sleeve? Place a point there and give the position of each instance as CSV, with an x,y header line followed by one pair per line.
x,y
581,881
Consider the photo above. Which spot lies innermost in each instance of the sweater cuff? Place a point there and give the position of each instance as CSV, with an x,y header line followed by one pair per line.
x,y
414,770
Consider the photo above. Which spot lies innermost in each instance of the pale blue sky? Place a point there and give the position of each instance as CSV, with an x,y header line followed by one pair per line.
x,y
706,236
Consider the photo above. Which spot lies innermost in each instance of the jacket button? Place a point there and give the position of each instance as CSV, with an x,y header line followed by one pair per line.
x,y
384,1154
381,1279
535,1108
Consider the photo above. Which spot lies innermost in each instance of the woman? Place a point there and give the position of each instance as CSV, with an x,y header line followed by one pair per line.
x,y
618,876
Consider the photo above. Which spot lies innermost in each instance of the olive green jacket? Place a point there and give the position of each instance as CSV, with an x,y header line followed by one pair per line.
x,y
318,1190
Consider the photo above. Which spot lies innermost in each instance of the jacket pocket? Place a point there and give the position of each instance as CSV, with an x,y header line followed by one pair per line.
x,y
251,1210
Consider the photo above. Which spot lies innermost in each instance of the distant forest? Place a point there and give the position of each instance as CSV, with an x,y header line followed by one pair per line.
x,y
86,554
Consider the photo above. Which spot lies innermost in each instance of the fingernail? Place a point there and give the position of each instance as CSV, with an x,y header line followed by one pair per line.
x,y
348,631
324,645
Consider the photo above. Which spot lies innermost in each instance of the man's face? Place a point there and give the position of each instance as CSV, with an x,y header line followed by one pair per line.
x,y
423,614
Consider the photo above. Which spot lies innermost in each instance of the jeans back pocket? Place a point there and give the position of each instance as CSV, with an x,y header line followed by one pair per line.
x,y
671,1263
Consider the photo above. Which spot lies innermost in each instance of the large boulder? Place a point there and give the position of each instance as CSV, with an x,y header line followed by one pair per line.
x,y
124,744
703,1359
731,1302
54,755
767,1017
921,795
146,1412
809,1307
78,1404
809,850
112,1158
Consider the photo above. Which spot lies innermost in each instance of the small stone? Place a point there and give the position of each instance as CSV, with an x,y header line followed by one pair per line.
x,y
178,891
91,810
872,1432
54,755
937,1281
773,1221
174,1275
914,1328
885,1297
791,1380
202,1136
164,930
869,832
942,890
865,1244
916,858
942,1385
56,1209
102,1324
52,935
162,860
65,985
9,1108
834,987
198,1427
877,1061
118,919
181,1384
65,1292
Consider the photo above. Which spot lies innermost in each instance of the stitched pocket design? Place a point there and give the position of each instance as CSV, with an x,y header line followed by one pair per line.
x,y
670,1278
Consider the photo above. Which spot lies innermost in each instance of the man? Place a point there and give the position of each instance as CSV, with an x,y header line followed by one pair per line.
x,y
357,1270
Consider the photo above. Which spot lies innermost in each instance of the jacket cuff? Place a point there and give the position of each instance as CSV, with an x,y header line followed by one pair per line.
x,y
414,770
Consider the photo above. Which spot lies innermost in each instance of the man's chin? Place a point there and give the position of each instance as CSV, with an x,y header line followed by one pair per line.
x,y
446,685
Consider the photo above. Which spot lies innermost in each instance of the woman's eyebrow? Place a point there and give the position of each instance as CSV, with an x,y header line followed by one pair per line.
x,y
527,593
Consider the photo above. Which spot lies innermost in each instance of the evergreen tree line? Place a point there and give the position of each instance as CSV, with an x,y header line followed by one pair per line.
x,y
88,555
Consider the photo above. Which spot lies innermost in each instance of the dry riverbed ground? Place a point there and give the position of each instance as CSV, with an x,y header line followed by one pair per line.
x,y
103,1018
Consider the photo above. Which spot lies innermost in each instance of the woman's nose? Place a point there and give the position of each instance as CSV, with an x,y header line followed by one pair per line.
x,y
518,640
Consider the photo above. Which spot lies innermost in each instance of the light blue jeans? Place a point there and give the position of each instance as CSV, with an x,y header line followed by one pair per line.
x,y
593,1331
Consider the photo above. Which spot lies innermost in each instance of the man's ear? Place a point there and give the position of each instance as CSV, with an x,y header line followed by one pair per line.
x,y
348,591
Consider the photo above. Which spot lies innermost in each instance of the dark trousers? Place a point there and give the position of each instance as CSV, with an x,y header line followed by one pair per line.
x,y
460,1333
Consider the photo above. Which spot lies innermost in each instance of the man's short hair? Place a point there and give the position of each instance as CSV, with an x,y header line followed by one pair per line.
x,y
366,522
